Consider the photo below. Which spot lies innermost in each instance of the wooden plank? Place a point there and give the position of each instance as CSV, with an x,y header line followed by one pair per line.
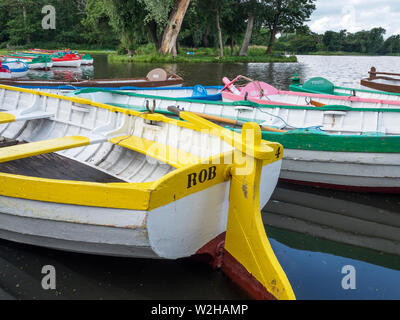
x,y
170,155
6,117
42,147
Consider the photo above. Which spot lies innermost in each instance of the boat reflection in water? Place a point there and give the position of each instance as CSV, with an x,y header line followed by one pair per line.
x,y
317,233
329,230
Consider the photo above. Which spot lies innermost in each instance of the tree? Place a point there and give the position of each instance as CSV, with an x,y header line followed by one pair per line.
x,y
97,24
165,15
125,16
171,32
285,16
303,44
251,9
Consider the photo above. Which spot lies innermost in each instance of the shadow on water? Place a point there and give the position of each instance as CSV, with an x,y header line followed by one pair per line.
x,y
314,233
94,277
305,248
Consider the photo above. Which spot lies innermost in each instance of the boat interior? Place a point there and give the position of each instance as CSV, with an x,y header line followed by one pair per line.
x,y
62,138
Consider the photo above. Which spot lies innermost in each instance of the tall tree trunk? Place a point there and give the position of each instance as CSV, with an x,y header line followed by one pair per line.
x,y
28,38
206,43
171,32
232,45
221,45
247,37
272,38
152,26
273,31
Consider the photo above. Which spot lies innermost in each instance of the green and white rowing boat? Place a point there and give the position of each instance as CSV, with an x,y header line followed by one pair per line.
x,y
34,63
319,85
332,146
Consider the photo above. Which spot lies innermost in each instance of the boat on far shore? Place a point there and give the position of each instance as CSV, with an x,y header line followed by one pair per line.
x,y
384,81
12,70
155,78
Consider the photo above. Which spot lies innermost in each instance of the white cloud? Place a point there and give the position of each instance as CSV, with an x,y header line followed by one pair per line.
x,y
356,15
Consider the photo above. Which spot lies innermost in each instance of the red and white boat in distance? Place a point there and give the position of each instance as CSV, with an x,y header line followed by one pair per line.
x,y
68,60
265,94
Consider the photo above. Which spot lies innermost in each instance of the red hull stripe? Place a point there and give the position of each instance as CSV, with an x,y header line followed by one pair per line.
x,y
214,254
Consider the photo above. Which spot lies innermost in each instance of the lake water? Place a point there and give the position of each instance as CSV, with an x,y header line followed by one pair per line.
x,y
313,265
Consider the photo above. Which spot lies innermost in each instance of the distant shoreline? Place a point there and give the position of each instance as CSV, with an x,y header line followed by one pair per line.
x,y
341,53
201,59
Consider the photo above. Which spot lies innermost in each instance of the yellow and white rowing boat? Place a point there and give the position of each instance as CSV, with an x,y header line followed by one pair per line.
x,y
93,178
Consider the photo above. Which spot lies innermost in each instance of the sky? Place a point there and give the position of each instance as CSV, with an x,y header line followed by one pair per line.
x,y
356,15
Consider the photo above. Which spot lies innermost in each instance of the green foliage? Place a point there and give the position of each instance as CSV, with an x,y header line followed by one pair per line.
x,y
136,26
96,23
148,54
365,42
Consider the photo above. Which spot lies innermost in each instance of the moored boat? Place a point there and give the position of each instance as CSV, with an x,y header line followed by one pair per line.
x,y
67,60
87,60
155,78
38,63
198,92
321,85
16,69
263,93
333,146
384,81
60,59
137,185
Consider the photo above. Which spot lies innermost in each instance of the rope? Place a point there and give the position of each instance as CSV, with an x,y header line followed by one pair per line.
x,y
285,123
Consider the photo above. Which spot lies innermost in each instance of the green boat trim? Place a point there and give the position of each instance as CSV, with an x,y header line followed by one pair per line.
x,y
239,103
87,57
318,140
319,85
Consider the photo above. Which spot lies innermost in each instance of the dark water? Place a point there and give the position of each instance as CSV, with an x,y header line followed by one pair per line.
x,y
313,264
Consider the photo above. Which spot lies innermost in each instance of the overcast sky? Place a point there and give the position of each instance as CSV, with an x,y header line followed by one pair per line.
x,y
356,15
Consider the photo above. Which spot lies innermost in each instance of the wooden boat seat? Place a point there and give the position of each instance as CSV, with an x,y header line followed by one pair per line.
x,y
7,117
161,152
27,150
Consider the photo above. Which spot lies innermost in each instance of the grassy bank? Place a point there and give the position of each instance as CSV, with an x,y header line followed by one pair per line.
x,y
186,59
148,54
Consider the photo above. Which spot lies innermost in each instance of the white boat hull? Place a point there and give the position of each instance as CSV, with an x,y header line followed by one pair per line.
x,y
68,64
177,230
87,62
345,170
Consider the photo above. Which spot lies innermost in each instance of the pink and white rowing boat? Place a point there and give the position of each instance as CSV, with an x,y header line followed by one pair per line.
x,y
263,93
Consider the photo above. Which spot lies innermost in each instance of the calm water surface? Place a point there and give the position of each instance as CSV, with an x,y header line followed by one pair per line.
x,y
313,265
